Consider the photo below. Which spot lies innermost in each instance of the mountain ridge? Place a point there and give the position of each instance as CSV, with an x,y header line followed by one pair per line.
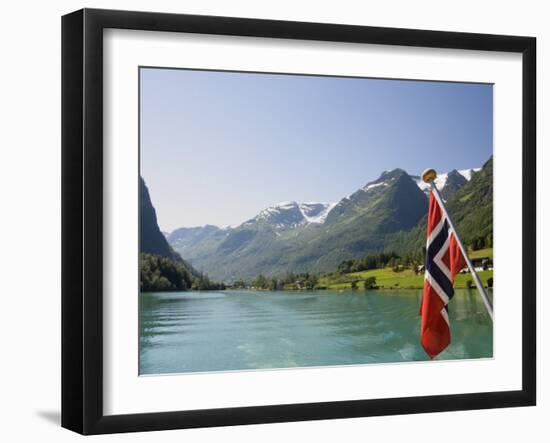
x,y
152,241
317,212
283,237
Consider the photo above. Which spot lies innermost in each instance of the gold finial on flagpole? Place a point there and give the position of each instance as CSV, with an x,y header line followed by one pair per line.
x,y
429,175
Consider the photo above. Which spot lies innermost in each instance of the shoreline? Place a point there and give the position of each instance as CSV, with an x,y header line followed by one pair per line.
x,y
301,291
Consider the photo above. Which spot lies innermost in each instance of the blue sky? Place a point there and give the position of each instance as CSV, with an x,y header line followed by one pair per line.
x,y
217,147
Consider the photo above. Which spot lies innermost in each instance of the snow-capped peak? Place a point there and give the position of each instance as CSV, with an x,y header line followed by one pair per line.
x,y
467,173
441,179
276,208
292,214
385,179
285,205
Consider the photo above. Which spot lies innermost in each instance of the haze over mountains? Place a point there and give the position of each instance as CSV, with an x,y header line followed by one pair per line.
x,y
387,213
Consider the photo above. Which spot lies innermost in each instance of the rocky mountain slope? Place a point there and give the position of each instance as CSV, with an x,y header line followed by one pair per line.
x,y
315,237
151,239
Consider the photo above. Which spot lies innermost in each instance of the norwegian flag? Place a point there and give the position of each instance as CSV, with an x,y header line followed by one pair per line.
x,y
444,260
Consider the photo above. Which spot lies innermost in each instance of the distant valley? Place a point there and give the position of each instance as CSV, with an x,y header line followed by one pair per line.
x,y
388,213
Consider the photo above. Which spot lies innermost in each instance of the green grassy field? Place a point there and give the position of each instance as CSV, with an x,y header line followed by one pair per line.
x,y
487,252
386,278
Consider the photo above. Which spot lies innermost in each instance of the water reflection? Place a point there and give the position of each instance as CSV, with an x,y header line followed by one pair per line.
x,y
216,331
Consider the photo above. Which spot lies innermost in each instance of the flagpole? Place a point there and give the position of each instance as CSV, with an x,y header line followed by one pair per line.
x,y
428,176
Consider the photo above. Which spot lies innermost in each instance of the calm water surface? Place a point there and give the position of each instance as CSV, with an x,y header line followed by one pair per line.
x,y
236,330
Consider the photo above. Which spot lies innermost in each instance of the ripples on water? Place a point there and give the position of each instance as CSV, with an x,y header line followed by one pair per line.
x,y
239,330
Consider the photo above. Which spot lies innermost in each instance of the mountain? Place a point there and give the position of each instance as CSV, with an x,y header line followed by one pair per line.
x,y
306,236
185,237
470,208
151,239
448,182
316,212
388,213
291,215
362,222
393,197
192,242
454,181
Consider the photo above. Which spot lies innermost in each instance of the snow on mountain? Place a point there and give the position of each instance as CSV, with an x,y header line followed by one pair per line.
x,y
316,212
280,215
375,185
467,173
290,214
385,179
421,184
441,179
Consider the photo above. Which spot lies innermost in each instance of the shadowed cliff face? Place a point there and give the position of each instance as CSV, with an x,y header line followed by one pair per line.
x,y
470,207
151,239
454,182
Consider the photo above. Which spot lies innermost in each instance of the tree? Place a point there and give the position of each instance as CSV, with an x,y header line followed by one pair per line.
x,y
239,284
371,261
469,284
345,266
161,274
370,283
289,279
490,282
311,281
480,242
203,283
273,284
260,282
354,285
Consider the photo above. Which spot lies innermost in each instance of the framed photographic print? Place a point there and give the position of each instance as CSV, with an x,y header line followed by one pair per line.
x,y
269,221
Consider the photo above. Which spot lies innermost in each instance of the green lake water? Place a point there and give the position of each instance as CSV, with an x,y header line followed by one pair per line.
x,y
243,330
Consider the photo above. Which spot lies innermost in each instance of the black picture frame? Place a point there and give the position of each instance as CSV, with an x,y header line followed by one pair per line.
x,y
82,218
